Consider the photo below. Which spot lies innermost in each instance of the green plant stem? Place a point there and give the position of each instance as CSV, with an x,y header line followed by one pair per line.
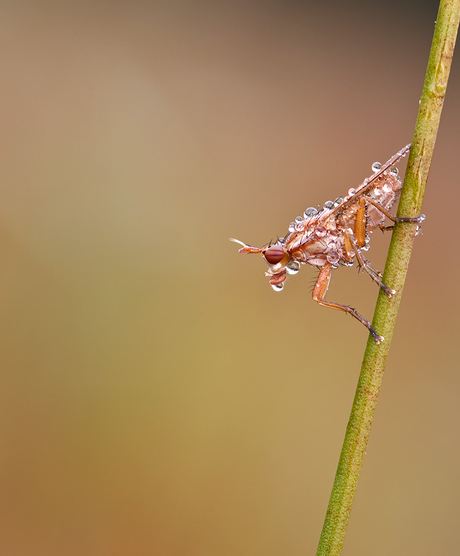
x,y
370,380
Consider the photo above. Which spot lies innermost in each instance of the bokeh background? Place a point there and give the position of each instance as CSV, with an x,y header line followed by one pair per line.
x,y
157,397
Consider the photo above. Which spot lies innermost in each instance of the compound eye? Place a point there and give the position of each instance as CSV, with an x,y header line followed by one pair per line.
x,y
274,254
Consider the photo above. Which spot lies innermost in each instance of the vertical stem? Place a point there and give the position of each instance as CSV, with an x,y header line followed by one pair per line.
x,y
370,380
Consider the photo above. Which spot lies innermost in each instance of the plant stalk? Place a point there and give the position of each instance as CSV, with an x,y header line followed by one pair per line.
x,y
375,356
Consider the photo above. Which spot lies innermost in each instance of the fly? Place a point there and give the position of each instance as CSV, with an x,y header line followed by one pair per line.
x,y
337,235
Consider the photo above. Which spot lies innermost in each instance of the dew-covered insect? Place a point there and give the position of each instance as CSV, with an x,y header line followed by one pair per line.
x,y
338,234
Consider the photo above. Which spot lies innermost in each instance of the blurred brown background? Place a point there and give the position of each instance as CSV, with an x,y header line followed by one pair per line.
x,y
157,397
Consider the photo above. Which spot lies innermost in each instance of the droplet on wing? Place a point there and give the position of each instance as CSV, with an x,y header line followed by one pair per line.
x,y
311,211
320,231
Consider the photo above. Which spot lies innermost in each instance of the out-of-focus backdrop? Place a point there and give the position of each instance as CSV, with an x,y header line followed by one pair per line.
x,y
157,397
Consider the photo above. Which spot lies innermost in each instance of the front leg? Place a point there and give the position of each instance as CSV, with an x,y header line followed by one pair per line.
x,y
319,291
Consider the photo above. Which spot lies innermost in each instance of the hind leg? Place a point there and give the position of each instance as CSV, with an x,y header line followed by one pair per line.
x,y
319,291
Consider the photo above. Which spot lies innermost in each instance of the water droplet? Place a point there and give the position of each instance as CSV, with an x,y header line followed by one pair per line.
x,y
311,211
277,287
351,191
328,205
293,267
299,226
376,166
298,219
320,231
394,171
282,240
291,227
338,201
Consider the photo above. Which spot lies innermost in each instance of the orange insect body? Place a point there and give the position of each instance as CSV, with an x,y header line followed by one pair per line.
x,y
337,235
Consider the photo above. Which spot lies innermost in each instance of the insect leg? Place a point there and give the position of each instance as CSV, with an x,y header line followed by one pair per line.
x,y
364,263
386,228
360,226
319,291
392,217
374,270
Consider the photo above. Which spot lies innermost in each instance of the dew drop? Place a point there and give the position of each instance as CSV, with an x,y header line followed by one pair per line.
x,y
291,227
293,267
320,232
311,211
394,171
277,287
298,219
338,201
376,166
351,191
328,205
282,240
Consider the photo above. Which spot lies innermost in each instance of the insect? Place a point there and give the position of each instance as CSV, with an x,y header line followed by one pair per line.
x,y
337,235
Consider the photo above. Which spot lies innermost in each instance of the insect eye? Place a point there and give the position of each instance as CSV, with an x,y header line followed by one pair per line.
x,y
274,254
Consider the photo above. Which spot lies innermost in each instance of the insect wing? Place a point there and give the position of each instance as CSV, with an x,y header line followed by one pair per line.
x,y
368,183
